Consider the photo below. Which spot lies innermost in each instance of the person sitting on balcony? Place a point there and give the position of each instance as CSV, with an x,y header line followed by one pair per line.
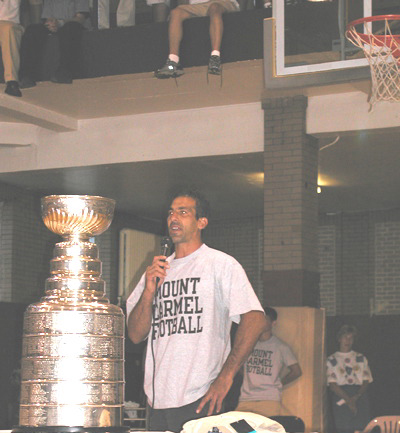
x,y
10,39
66,18
198,8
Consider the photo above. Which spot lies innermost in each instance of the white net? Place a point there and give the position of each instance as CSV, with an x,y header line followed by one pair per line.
x,y
382,50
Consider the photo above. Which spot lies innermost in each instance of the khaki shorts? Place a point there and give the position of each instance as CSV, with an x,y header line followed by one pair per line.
x,y
201,9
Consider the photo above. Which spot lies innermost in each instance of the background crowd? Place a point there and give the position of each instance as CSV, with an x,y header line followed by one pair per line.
x,y
26,25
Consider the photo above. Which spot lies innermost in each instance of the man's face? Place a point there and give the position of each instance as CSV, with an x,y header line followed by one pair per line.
x,y
183,227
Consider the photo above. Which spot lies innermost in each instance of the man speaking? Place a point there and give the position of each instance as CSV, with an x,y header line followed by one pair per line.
x,y
185,304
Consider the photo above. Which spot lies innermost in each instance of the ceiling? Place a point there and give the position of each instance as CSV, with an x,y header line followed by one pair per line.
x,y
142,188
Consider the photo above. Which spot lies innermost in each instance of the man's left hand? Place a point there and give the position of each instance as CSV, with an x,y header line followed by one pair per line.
x,y
216,394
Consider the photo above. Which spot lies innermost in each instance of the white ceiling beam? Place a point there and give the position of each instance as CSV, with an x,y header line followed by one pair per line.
x,y
24,111
346,112
213,131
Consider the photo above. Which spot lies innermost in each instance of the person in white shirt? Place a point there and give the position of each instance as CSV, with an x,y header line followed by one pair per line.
x,y
261,391
185,305
348,376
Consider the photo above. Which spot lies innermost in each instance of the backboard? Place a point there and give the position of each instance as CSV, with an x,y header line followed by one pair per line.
x,y
305,43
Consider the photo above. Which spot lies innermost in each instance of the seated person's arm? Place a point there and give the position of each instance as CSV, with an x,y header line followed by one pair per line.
x,y
294,373
51,24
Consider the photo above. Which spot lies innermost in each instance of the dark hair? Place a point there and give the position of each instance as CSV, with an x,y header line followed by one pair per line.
x,y
271,313
347,329
202,204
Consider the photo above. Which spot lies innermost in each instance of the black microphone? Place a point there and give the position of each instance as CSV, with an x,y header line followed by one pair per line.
x,y
166,244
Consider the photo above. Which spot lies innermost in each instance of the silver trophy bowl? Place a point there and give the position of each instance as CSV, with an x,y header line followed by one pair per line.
x,y
77,215
72,368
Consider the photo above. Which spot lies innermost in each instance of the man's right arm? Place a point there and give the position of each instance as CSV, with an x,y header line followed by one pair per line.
x,y
139,320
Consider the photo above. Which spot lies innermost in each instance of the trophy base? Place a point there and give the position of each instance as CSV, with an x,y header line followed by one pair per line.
x,y
69,429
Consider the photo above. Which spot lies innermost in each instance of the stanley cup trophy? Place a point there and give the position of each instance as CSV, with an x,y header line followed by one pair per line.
x,y
72,372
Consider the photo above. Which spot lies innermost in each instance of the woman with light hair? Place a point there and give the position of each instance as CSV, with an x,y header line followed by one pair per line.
x,y
348,376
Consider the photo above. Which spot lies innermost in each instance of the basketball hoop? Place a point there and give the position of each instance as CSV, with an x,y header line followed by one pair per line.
x,y
382,49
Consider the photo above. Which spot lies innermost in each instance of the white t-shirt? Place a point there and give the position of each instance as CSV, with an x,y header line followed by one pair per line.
x,y
9,10
261,379
348,368
201,296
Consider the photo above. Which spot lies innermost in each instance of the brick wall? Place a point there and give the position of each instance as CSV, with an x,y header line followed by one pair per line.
x,y
290,273
327,267
33,247
5,252
359,262
387,268
290,187
25,246
357,274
